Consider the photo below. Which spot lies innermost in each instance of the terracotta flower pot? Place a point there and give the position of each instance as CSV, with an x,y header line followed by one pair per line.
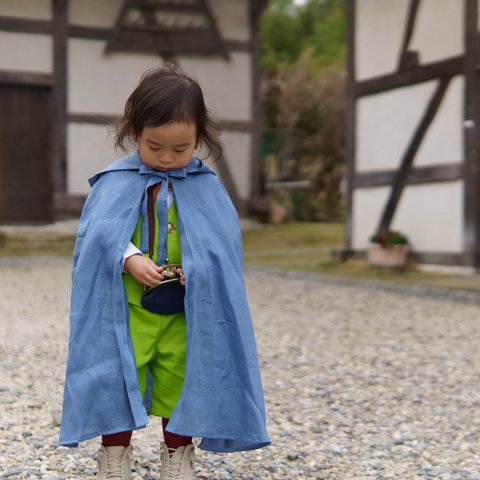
x,y
392,257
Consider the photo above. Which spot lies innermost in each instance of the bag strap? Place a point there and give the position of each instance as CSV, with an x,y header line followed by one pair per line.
x,y
151,222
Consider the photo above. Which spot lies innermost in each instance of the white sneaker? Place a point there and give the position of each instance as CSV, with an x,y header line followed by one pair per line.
x,y
114,463
177,463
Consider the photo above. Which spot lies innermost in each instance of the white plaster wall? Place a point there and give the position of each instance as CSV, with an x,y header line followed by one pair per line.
x,y
238,154
378,36
89,150
226,85
430,215
25,52
439,30
94,13
366,211
443,142
33,9
380,24
385,124
101,83
232,18
387,121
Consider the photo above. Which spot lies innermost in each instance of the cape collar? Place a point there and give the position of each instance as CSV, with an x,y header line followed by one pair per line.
x,y
133,162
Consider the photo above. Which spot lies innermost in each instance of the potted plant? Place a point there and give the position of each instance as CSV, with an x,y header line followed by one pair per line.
x,y
389,249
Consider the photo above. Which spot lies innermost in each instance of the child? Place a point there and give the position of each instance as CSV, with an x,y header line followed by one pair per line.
x,y
195,365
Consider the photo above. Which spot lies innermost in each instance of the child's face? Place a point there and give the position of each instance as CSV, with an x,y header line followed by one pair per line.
x,y
168,146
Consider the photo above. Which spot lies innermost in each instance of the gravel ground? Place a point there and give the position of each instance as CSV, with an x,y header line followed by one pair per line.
x,y
362,381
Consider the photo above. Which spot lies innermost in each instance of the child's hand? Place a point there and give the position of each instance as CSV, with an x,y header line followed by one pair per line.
x,y
182,276
143,270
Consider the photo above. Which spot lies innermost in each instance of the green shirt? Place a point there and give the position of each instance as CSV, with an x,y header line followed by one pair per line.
x,y
133,288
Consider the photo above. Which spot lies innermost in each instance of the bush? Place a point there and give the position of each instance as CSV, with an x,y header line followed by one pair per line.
x,y
306,116
303,97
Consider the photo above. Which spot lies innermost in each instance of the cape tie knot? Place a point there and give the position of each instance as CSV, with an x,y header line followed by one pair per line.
x,y
158,175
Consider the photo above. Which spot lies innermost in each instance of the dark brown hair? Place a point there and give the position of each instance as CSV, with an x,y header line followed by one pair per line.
x,y
164,95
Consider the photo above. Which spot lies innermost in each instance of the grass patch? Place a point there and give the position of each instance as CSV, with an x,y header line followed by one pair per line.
x,y
271,238
23,249
307,247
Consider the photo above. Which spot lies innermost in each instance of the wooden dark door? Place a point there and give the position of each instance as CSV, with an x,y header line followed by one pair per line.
x,y
26,192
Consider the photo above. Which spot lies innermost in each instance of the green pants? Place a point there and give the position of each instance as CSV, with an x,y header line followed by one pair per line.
x,y
159,341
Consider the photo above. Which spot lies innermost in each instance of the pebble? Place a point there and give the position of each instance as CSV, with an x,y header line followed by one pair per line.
x,y
337,450
293,455
10,473
363,380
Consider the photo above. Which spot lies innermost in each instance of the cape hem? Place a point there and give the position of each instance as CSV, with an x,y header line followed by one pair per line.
x,y
74,443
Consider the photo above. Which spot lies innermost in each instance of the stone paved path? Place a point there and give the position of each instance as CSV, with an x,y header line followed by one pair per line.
x,y
362,381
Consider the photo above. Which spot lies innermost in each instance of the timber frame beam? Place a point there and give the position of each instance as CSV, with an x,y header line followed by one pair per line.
x,y
422,73
26,78
155,35
408,59
45,27
472,133
434,258
350,123
432,174
60,36
256,193
399,179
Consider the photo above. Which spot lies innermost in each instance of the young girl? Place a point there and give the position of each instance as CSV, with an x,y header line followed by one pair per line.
x,y
195,363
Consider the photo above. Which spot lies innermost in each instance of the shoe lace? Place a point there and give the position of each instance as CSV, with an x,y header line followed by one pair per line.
x,y
174,467
114,467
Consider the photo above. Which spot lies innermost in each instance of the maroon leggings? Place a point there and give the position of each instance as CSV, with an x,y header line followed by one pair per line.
x,y
123,438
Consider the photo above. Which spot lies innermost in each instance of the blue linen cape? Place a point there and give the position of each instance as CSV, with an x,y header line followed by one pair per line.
x,y
222,397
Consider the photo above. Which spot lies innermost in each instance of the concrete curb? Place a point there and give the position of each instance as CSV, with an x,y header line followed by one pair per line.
x,y
63,231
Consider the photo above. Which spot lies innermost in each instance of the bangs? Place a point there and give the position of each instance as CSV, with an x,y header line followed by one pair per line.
x,y
170,110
